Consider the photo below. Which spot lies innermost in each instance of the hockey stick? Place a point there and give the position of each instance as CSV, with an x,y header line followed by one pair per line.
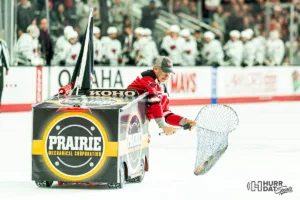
x,y
184,127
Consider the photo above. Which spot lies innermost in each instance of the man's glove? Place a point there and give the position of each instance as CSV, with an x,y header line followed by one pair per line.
x,y
184,122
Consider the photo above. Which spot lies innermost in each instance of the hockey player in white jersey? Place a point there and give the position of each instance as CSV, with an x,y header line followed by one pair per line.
x,y
275,50
98,47
138,33
212,52
189,46
148,49
61,46
249,49
260,46
74,49
172,45
34,31
27,48
113,47
233,49
141,49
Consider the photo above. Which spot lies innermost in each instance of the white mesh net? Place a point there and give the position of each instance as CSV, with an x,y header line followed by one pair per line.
x,y
214,123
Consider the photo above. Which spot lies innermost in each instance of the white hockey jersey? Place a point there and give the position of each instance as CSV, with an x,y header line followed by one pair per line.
x,y
73,54
147,52
190,52
260,44
275,51
98,50
249,53
135,49
27,51
234,52
212,53
174,49
62,47
113,52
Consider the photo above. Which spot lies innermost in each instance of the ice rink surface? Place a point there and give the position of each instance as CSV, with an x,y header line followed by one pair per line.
x,y
265,147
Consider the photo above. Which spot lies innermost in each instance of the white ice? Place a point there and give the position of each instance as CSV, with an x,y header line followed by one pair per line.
x,y
266,146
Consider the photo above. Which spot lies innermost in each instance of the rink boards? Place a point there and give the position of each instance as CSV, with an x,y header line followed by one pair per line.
x,y
25,86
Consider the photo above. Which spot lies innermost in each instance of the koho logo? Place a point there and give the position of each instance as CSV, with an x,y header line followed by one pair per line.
x,y
112,93
74,146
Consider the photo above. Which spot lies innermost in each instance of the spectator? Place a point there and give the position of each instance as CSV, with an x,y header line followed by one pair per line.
x,y
234,21
69,10
54,24
149,15
62,19
52,15
198,39
185,7
220,17
210,7
258,7
25,15
82,13
118,13
259,25
96,14
46,42
127,45
177,6
247,22
194,10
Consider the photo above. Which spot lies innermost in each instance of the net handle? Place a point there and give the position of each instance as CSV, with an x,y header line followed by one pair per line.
x,y
188,126
184,127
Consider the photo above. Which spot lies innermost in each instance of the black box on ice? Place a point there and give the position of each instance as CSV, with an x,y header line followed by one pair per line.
x,y
101,137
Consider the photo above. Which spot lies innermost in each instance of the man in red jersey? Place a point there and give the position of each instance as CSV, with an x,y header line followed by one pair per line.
x,y
152,81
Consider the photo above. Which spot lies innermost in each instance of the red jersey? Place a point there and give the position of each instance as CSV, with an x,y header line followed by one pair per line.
x,y
158,98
